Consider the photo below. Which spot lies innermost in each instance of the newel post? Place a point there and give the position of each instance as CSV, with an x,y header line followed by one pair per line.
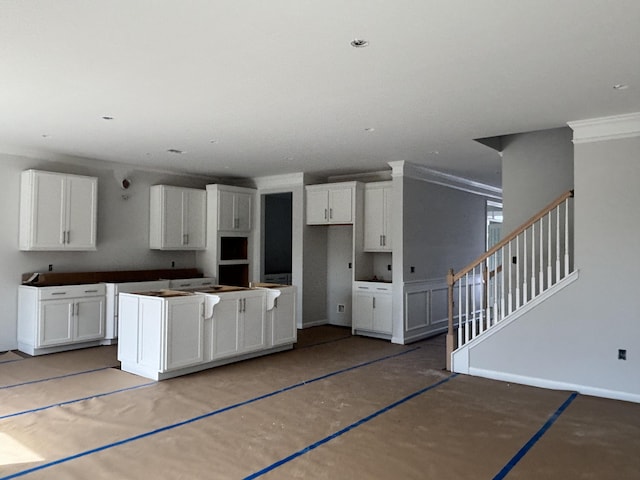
x,y
451,343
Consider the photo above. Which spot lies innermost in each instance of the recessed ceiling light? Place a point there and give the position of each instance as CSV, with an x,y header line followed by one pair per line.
x,y
107,117
176,151
359,43
620,86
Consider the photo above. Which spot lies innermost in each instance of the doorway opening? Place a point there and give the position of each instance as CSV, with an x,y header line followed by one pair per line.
x,y
277,243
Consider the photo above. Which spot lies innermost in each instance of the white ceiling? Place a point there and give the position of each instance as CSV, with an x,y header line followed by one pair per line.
x,y
256,87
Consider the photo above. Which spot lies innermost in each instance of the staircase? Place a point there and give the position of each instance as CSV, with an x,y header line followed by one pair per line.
x,y
516,273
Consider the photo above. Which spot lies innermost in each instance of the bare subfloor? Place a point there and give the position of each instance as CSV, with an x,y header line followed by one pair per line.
x,y
335,407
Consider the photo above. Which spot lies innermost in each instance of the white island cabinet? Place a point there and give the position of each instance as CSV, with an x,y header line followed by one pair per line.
x,y
281,314
168,333
54,319
160,332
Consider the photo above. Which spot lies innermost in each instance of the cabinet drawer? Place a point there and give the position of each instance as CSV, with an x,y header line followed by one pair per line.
x,y
373,287
71,291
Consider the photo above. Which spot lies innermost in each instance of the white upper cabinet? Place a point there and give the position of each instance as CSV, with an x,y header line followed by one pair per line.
x,y
330,203
234,209
377,216
57,211
177,218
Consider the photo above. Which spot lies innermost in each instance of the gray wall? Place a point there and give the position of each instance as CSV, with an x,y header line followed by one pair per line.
x,y
443,228
122,237
537,167
574,336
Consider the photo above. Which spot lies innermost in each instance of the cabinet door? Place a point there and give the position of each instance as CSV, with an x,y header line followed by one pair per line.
x,y
184,333
194,218
317,207
382,314
48,211
89,315
242,207
173,225
373,218
386,219
55,326
283,329
226,214
253,323
225,328
81,201
340,205
363,311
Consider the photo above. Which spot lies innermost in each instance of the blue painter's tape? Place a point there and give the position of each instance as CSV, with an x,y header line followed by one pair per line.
x,y
299,453
333,340
76,400
199,417
2,362
532,441
53,378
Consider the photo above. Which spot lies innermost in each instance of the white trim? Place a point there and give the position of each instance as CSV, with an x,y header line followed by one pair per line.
x,y
606,128
566,281
380,176
317,323
555,385
463,365
405,169
280,181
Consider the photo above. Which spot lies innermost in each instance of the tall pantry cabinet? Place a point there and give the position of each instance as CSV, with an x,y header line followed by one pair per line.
x,y
57,211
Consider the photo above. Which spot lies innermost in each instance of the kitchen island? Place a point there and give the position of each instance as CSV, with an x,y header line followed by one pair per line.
x,y
166,333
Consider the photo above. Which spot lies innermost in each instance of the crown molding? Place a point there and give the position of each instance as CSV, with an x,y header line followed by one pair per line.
x,y
606,128
278,181
405,169
379,176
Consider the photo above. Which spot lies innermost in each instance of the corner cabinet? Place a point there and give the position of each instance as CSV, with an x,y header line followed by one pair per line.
x,y
57,211
177,218
377,215
372,309
53,319
330,203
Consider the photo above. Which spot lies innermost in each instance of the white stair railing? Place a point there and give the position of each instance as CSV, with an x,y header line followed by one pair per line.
x,y
523,265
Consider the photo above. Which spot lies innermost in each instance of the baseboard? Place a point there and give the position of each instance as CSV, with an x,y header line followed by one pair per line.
x,y
555,385
317,323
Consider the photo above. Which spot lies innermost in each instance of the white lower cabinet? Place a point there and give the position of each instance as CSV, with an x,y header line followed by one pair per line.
x,y
160,331
372,309
53,319
168,333
283,317
238,323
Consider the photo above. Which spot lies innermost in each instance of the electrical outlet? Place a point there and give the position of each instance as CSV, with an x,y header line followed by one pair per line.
x,y
350,265
413,269
389,267
51,267
340,308
622,354
173,264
